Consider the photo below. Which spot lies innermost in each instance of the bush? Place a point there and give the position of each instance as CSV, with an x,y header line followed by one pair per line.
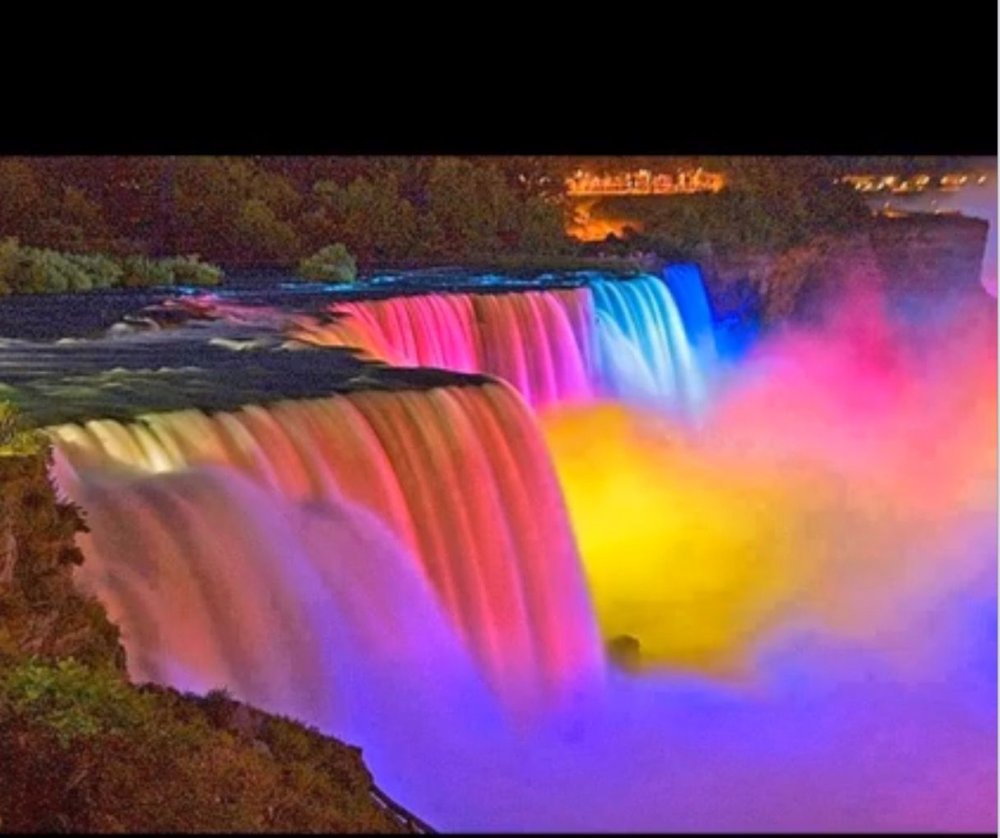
x,y
32,270
103,271
188,270
8,264
71,700
140,272
84,751
10,423
333,263
16,438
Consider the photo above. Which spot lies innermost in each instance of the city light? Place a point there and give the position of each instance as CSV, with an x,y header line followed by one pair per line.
x,y
917,183
644,182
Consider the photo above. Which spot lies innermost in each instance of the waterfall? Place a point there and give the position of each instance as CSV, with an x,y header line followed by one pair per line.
x,y
395,563
314,611
688,289
538,341
644,351
623,338
460,475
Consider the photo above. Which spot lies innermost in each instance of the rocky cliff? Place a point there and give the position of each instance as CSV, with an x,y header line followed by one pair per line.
x,y
83,750
929,258
936,255
41,613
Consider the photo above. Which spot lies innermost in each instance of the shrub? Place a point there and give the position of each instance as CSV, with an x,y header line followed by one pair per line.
x,y
9,423
72,700
333,263
16,438
188,270
9,256
103,271
32,270
140,272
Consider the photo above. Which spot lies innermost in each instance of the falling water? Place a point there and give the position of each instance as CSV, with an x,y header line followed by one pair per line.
x,y
537,340
688,288
459,474
625,338
380,562
306,610
643,349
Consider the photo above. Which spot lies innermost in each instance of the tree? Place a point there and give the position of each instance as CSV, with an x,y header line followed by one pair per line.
x,y
234,209
471,205
22,201
541,226
261,235
377,223
333,263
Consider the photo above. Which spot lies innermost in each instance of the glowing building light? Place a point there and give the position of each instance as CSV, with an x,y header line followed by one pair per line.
x,y
644,182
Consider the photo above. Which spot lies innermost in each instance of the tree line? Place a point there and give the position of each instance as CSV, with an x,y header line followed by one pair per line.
x,y
275,211
260,211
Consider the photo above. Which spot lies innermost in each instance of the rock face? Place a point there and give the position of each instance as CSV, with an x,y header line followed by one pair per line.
x,y
41,613
938,255
625,652
925,257
98,755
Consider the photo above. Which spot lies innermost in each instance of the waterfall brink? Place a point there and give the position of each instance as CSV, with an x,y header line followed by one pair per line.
x,y
538,341
621,338
458,474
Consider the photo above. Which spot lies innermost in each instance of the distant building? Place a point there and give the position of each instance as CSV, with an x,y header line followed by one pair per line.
x,y
584,184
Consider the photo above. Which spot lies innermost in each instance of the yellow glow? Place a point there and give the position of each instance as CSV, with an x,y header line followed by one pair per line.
x,y
794,503
675,557
585,227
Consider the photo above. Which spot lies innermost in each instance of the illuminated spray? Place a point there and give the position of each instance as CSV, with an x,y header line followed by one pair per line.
x,y
818,555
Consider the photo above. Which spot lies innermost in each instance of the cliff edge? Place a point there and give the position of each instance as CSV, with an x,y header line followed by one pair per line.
x,y
86,751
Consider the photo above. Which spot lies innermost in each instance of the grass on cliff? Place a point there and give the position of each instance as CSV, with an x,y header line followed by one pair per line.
x,y
83,750
16,439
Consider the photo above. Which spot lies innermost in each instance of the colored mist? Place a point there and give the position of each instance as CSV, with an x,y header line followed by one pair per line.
x,y
828,482
809,569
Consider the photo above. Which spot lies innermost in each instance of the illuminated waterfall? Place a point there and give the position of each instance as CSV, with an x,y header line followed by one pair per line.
x,y
688,289
459,474
623,338
538,341
387,562
307,610
643,349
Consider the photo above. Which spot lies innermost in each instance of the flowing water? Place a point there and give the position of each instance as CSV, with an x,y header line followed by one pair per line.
x,y
427,564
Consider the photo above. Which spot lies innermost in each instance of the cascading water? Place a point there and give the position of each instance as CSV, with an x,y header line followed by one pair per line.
x,y
309,610
459,474
688,290
374,562
536,340
622,338
492,540
643,349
